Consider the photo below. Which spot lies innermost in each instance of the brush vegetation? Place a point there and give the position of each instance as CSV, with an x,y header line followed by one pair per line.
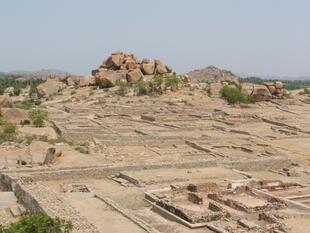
x,y
233,95
38,224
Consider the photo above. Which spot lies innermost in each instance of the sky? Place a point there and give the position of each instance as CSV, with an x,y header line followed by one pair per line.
x,y
261,37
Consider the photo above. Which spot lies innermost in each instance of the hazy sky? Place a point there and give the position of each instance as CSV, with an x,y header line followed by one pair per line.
x,y
249,36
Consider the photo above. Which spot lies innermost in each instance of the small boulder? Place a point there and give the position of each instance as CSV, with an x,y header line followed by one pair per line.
x,y
135,76
148,68
145,61
74,80
161,69
109,78
130,64
272,89
261,93
158,62
280,92
279,85
169,69
115,60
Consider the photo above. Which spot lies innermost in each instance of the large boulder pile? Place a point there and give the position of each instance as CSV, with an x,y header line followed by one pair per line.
x,y
127,68
276,89
265,91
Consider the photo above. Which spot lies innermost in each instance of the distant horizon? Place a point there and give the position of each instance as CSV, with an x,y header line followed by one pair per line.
x,y
239,74
265,38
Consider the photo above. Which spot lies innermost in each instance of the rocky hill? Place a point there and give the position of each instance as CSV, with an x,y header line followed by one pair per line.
x,y
211,74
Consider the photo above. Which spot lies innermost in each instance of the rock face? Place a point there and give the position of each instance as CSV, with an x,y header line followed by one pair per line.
x,y
247,88
6,102
261,93
126,67
148,68
212,74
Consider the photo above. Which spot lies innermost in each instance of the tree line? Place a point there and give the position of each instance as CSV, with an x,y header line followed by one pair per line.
x,y
18,84
289,84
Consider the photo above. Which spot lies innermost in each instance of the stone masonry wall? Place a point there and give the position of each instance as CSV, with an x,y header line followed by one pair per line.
x,y
37,198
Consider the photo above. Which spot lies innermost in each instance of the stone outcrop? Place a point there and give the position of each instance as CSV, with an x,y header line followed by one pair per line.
x,y
79,81
276,88
126,67
50,87
261,93
265,91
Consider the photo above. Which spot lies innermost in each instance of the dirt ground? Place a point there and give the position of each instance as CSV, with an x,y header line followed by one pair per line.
x,y
168,140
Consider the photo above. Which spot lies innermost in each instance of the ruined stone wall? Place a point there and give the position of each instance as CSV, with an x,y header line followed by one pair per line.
x,y
101,171
261,164
46,174
38,199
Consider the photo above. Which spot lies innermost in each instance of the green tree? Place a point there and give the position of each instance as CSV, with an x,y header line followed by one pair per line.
x,y
234,95
38,117
38,224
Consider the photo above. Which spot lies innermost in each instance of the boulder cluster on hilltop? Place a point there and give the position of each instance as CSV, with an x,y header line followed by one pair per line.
x,y
127,68
118,67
